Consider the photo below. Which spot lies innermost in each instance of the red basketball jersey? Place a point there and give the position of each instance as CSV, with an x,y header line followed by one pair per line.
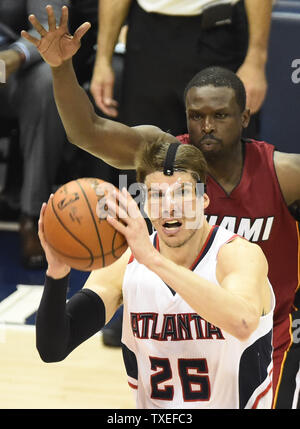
x,y
256,210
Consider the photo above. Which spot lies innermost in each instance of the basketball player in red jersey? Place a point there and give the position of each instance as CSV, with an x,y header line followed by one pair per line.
x,y
252,185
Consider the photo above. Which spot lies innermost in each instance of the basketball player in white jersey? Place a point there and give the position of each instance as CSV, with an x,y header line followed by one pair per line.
x,y
198,306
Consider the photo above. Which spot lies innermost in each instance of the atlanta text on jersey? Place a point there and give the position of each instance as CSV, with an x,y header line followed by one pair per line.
x,y
173,327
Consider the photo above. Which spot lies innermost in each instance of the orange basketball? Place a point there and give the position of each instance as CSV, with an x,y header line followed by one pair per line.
x,y
75,232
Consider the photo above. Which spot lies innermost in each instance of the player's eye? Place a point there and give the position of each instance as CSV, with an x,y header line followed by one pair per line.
x,y
195,116
221,115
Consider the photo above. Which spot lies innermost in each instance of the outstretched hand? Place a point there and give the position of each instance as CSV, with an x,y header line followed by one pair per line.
x,y
57,44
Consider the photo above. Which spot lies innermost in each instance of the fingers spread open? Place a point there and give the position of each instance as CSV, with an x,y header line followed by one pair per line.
x,y
80,32
51,18
64,18
37,25
30,38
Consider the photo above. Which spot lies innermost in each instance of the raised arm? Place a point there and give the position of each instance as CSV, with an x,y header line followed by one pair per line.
x,y
111,141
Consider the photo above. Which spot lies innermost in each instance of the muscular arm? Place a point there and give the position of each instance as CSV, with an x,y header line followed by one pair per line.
x,y
115,143
287,166
111,141
237,305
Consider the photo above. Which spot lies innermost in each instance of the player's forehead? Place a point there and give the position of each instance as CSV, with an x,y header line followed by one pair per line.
x,y
209,95
158,180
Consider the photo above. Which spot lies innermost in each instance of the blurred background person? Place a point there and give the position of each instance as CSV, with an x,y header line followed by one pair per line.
x,y
168,42
27,96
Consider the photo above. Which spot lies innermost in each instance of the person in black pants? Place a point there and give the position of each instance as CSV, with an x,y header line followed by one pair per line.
x,y
164,51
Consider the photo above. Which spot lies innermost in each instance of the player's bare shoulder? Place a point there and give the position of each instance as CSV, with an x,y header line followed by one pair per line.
x,y
241,254
242,267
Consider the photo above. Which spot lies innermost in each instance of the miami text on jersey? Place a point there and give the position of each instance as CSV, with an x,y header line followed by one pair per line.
x,y
258,229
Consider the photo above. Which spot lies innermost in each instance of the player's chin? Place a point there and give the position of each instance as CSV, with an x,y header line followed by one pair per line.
x,y
177,240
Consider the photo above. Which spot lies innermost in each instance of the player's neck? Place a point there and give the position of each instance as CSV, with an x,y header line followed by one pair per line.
x,y
227,170
186,254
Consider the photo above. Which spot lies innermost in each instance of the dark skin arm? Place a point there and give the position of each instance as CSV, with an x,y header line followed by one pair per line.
x,y
115,143
287,167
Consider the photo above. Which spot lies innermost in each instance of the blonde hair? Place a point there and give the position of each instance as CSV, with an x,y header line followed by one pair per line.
x,y
188,158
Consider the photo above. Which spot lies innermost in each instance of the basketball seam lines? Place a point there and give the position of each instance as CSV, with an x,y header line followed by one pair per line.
x,y
67,229
95,225
82,258
113,250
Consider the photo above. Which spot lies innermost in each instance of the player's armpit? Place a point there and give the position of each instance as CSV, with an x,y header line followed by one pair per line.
x,y
107,283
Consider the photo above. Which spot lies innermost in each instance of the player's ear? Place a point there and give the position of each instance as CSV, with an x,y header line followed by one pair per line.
x,y
206,201
246,118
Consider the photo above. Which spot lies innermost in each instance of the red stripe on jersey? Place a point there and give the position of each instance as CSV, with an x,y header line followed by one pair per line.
x,y
133,386
131,258
203,247
261,395
233,237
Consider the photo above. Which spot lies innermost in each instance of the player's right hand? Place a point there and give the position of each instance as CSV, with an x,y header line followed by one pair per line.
x,y
56,268
57,44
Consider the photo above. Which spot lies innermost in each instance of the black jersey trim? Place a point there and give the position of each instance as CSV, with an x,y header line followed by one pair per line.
x,y
253,368
205,248
130,362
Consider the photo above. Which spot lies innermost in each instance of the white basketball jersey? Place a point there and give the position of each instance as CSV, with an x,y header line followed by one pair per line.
x,y
176,359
